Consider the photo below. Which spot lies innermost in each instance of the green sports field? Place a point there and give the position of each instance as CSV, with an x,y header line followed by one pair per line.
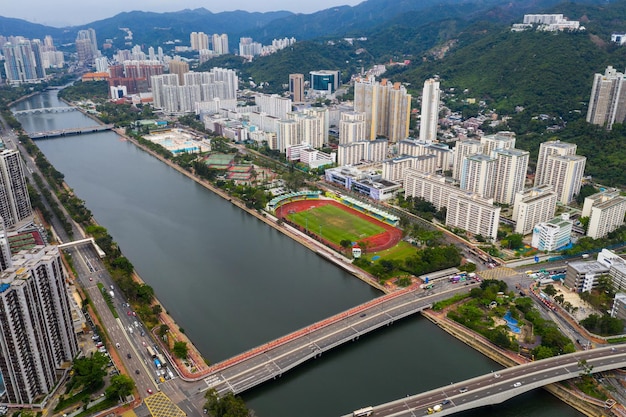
x,y
335,224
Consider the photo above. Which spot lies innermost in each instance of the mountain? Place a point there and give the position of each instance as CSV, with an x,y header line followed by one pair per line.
x,y
156,28
18,27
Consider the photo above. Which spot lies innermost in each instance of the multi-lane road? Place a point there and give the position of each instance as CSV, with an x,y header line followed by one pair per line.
x,y
497,387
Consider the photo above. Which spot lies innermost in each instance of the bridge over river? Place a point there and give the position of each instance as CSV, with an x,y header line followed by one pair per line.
x,y
70,132
495,388
271,360
41,110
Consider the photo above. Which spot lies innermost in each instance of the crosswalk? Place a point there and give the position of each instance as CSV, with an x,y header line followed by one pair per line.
x,y
498,273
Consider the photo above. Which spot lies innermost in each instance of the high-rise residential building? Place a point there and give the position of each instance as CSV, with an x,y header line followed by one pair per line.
x,y
179,68
199,41
23,63
565,173
500,140
533,206
87,46
463,149
14,200
273,104
465,210
478,175
510,174
607,104
102,64
414,147
296,87
429,118
606,211
5,249
358,152
546,150
36,328
387,108
352,127
220,43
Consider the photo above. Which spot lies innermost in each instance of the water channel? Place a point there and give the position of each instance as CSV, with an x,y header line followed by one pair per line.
x,y
233,283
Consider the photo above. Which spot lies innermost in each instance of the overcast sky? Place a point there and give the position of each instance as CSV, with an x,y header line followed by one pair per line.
x,y
61,13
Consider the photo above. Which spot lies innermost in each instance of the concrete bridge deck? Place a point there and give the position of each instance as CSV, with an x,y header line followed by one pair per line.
x,y
70,132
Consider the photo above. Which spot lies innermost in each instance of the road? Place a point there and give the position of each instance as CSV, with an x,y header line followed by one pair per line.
x,y
494,388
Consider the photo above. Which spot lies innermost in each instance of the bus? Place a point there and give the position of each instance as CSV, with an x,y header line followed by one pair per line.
x,y
366,411
150,351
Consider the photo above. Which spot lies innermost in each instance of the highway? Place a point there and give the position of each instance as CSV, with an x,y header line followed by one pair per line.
x,y
495,388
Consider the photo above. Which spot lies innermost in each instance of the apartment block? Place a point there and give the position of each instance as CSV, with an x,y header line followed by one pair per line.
x,y
358,152
533,206
607,104
497,141
478,174
606,211
429,117
352,127
14,199
38,339
509,173
473,213
547,150
463,149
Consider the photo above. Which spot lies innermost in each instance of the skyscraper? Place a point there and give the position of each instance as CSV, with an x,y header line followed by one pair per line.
x,y
478,175
296,87
430,110
351,127
179,68
387,108
510,174
463,149
87,46
199,41
565,173
14,200
220,43
607,104
23,62
36,328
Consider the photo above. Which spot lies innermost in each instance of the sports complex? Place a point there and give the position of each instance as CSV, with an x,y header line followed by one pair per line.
x,y
334,218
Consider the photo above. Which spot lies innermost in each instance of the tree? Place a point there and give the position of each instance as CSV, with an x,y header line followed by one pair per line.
x,y
550,290
121,386
226,406
181,349
89,372
345,244
163,329
543,352
157,309
515,241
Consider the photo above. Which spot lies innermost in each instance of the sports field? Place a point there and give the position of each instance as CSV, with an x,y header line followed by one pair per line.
x,y
335,224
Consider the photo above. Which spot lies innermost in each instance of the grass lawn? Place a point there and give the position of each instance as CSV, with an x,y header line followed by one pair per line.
x,y
399,252
335,224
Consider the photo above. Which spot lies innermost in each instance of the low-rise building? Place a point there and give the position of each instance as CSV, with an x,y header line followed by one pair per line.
x,y
581,276
619,306
363,179
553,234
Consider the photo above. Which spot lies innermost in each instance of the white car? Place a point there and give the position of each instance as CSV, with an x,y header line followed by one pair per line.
x,y
517,384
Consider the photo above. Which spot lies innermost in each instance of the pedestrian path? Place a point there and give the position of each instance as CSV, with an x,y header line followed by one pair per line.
x,y
498,273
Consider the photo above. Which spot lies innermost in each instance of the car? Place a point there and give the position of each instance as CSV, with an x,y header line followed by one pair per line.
x,y
143,343
497,375
462,390
90,278
128,313
445,402
517,384
363,315
134,314
149,391
117,345
137,371
128,355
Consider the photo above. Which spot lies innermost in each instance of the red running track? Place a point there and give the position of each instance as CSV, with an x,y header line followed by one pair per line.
x,y
388,239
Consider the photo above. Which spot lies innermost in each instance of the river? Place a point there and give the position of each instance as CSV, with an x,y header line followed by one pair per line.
x,y
233,283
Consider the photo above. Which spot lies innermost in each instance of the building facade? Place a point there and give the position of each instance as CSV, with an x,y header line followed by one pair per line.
x,y
15,204
607,104
606,211
429,118
36,326
553,234
533,206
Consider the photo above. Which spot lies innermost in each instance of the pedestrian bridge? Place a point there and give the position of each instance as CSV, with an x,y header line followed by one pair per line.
x,y
495,388
271,360
41,110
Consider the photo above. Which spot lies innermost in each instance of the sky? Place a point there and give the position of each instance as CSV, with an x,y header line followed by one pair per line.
x,y
60,13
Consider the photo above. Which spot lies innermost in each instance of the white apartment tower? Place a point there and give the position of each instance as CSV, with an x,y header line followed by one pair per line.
x,y
478,175
565,173
14,200
199,41
429,120
387,108
546,150
606,211
533,206
220,43
500,140
510,174
352,127
273,104
36,327
463,149
607,104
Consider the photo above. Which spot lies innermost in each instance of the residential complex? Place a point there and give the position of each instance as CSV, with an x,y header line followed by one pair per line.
x,y
533,206
23,62
37,332
559,166
387,108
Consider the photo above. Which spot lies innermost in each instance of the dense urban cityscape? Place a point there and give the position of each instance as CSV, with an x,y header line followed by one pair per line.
x,y
355,197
